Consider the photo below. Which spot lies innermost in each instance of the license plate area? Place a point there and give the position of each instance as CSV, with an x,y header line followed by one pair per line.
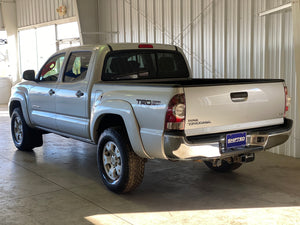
x,y
236,140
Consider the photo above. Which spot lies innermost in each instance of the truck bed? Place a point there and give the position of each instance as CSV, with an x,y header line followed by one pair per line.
x,y
224,105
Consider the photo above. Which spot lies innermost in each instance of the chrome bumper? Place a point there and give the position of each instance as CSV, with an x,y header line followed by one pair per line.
x,y
179,147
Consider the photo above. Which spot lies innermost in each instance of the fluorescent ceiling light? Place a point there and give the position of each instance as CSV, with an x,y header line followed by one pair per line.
x,y
279,8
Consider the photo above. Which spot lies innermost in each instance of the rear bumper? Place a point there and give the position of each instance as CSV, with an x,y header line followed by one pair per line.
x,y
179,147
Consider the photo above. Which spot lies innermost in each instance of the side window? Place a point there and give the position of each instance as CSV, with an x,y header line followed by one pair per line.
x,y
77,66
50,71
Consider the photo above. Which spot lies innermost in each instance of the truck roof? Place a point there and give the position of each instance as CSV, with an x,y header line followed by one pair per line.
x,y
122,46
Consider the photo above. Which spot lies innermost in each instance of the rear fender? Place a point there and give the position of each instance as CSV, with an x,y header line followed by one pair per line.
x,y
125,111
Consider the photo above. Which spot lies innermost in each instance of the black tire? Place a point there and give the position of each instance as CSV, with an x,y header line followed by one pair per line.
x,y
120,168
224,167
24,137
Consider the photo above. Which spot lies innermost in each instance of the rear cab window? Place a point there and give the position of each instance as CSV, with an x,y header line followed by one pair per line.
x,y
144,64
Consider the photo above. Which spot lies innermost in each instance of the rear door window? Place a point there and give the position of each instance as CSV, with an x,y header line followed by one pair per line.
x,y
137,64
77,66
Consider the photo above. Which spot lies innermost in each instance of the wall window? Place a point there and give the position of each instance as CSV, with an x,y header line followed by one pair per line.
x,y
67,35
46,43
36,45
67,31
28,50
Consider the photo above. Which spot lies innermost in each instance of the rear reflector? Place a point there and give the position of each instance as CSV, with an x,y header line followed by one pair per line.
x,y
287,100
145,46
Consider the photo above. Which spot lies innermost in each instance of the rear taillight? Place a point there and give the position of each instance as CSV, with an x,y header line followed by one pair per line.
x,y
175,116
287,100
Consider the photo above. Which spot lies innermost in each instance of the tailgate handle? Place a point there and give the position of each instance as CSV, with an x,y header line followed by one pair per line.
x,y
239,96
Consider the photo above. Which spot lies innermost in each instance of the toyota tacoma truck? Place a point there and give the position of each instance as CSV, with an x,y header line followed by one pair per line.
x,y
139,102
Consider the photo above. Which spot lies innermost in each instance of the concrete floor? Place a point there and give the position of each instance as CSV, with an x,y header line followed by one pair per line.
x,y
59,184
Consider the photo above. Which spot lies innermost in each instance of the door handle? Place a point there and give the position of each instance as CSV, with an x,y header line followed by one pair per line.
x,y
51,92
239,96
79,94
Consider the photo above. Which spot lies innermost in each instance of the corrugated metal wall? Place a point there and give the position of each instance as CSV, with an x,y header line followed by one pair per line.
x,y
2,28
33,12
221,38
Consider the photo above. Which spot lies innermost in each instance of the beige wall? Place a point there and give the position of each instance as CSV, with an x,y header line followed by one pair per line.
x,y
88,19
10,24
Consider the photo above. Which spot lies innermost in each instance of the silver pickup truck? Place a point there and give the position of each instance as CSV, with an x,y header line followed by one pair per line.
x,y
139,102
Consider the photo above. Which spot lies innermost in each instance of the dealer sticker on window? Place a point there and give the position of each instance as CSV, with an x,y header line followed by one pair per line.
x,y
236,140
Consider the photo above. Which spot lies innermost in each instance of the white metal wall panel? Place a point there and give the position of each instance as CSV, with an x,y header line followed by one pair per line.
x,y
219,43
150,21
245,27
141,11
33,12
258,46
159,18
232,35
221,38
198,62
1,18
135,22
168,21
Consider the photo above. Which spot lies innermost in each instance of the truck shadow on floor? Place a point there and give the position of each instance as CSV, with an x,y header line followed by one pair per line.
x,y
167,186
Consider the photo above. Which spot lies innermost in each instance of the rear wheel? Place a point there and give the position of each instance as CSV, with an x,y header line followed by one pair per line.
x,y
24,137
120,168
223,166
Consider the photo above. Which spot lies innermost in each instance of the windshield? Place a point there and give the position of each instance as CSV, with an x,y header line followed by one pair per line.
x,y
141,64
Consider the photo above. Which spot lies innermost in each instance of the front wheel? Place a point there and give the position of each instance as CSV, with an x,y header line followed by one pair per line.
x,y
24,137
224,166
120,168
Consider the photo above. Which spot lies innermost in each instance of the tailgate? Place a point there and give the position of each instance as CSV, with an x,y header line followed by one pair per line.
x,y
223,108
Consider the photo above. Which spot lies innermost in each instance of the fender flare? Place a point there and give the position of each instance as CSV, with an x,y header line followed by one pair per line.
x,y
21,98
125,111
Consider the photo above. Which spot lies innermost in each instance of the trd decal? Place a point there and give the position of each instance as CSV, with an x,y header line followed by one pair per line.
x,y
147,102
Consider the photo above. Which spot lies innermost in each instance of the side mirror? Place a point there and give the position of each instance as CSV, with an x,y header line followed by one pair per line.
x,y
29,75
